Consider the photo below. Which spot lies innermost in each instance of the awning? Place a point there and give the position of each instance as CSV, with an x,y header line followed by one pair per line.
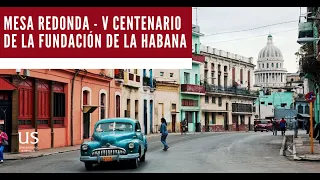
x,y
89,108
304,115
6,85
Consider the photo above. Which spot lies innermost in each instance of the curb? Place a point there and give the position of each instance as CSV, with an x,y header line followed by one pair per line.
x,y
282,146
40,155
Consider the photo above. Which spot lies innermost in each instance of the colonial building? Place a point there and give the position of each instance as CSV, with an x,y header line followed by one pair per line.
x,y
62,106
191,90
147,98
167,102
270,70
228,101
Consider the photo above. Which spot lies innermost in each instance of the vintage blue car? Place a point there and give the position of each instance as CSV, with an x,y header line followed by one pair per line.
x,y
115,139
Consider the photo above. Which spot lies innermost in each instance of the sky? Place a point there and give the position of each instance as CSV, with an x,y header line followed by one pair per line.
x,y
213,20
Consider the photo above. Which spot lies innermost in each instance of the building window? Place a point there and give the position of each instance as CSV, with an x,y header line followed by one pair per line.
x,y
213,99
271,64
186,78
102,105
118,106
173,107
220,101
267,65
206,99
127,112
43,93
196,79
26,103
212,77
259,66
171,74
189,102
59,105
161,73
307,109
135,71
262,65
262,102
300,109
270,104
277,65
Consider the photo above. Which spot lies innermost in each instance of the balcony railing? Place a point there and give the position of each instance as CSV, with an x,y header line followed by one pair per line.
x,y
198,58
192,88
230,90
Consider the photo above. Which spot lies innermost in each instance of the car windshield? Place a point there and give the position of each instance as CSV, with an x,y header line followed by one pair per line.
x,y
264,122
114,126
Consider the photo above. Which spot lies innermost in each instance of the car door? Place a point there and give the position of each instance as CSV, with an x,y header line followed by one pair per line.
x,y
139,134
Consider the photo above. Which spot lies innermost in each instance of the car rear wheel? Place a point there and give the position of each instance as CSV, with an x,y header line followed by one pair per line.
x,y
134,163
88,165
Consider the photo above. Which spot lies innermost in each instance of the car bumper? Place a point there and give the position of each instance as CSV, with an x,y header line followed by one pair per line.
x,y
260,129
118,158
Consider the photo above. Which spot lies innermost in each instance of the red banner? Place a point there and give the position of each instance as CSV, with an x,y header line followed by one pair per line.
x,y
96,32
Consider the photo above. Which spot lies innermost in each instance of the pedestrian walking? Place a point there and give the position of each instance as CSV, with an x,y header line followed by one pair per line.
x,y
283,124
295,127
164,134
184,127
274,127
3,143
307,125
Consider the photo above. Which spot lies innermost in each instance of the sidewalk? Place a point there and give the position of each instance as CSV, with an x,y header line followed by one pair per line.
x,y
47,152
301,148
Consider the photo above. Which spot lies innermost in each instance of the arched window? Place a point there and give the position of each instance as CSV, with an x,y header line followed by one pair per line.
x,y
307,109
300,109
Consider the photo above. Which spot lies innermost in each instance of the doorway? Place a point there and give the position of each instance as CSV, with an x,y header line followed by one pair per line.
x,y
173,125
6,115
249,123
86,125
145,116
206,121
226,124
151,116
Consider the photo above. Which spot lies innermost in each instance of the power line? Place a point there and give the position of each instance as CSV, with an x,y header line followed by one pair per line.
x,y
251,29
254,36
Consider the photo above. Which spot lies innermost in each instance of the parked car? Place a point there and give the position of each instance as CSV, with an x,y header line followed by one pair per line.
x,y
116,139
263,125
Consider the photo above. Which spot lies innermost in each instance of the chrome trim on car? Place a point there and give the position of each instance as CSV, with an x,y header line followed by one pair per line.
x,y
108,151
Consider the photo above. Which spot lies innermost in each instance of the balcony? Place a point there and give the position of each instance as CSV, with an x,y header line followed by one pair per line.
x,y
148,85
233,91
119,75
131,80
192,89
198,58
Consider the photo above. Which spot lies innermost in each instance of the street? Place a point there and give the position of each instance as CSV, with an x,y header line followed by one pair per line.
x,y
202,153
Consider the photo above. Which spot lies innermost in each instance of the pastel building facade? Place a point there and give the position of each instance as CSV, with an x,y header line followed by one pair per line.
x,y
62,106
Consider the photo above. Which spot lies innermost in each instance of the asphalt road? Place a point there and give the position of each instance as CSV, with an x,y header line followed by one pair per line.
x,y
204,153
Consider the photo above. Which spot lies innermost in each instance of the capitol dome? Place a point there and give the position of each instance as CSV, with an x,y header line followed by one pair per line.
x,y
270,72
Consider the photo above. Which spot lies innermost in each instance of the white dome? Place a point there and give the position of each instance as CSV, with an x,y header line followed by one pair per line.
x,y
270,52
270,71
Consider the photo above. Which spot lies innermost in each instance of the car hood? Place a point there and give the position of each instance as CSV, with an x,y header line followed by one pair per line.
x,y
113,137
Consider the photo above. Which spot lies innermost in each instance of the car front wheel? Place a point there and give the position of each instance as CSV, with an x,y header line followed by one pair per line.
x,y
88,165
143,158
134,163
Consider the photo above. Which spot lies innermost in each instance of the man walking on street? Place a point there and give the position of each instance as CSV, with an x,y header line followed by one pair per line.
x,y
274,127
283,127
295,127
